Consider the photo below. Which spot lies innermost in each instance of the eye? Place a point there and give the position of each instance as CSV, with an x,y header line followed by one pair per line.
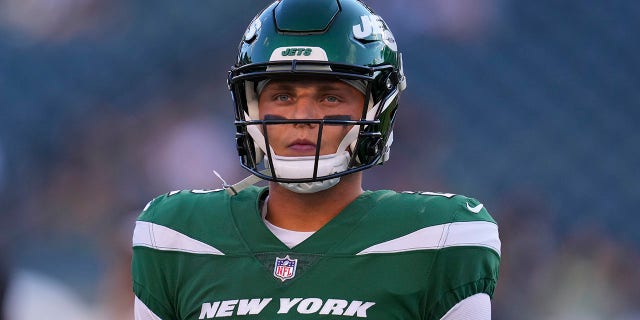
x,y
281,97
332,99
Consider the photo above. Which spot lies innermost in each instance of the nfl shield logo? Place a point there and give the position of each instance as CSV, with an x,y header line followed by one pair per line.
x,y
285,268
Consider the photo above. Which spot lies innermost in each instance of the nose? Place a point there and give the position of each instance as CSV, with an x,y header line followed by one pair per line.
x,y
306,108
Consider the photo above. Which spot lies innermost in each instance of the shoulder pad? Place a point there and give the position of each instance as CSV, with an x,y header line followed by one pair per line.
x,y
173,202
460,207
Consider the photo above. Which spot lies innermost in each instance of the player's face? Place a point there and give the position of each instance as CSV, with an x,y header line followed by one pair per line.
x,y
308,99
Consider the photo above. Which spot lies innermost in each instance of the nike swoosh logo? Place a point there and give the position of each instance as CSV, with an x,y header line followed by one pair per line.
x,y
475,209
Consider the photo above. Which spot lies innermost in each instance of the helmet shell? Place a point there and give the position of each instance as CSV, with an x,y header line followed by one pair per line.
x,y
347,30
330,38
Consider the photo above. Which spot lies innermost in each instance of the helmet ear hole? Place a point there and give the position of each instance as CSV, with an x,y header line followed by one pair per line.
x,y
370,147
373,147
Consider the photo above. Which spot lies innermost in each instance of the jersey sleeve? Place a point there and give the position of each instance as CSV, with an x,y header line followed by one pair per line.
x,y
468,262
142,312
476,307
149,284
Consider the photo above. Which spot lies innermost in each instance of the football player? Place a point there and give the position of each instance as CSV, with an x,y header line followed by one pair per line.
x,y
315,86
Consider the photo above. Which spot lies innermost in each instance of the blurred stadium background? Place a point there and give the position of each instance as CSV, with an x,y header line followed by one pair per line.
x,y
533,107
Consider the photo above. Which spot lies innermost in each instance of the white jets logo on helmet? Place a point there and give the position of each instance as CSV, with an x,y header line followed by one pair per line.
x,y
374,25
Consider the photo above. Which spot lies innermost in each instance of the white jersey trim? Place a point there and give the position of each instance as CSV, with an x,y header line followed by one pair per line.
x,y
142,312
147,234
455,234
475,307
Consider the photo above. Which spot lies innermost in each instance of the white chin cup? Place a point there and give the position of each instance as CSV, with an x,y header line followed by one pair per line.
x,y
302,168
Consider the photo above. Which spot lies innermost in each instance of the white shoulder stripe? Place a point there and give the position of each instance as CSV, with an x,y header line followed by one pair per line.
x,y
147,234
473,233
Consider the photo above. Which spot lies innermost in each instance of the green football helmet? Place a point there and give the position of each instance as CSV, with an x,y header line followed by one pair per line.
x,y
336,39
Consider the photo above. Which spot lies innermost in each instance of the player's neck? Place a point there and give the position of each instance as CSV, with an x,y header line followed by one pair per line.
x,y
309,212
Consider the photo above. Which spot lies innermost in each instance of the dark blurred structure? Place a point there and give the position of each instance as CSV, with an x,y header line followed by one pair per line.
x,y
4,282
529,106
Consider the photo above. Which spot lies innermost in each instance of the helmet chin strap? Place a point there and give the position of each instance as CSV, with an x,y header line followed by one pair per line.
x,y
233,189
298,167
302,167
310,187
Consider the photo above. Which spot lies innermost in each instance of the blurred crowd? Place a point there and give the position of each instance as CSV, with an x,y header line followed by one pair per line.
x,y
531,107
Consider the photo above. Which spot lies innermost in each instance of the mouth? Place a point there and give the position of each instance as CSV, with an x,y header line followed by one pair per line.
x,y
303,146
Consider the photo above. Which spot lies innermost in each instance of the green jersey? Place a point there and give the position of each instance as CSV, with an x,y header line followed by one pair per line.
x,y
207,255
